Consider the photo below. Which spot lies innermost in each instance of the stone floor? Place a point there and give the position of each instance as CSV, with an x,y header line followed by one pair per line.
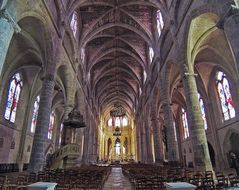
x,y
117,181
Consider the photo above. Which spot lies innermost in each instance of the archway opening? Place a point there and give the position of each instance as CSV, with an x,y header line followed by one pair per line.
x,y
234,141
212,154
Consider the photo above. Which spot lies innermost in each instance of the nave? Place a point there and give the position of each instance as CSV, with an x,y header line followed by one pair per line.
x,y
151,85
117,180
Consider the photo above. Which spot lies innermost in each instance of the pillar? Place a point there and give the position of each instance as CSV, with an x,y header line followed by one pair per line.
x,y
37,159
90,140
172,145
148,143
86,136
143,143
8,27
138,141
196,126
95,142
158,141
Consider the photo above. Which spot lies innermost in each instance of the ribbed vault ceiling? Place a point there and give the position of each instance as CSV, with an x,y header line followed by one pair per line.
x,y
116,35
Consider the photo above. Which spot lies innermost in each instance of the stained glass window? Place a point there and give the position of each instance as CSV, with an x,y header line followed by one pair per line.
x,y
224,93
160,22
145,76
60,138
51,125
117,122
82,55
151,54
175,132
34,114
74,23
125,122
185,124
14,91
202,111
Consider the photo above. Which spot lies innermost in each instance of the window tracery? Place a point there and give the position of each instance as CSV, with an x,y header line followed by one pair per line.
x,y
185,124
201,103
160,23
14,91
224,93
74,23
34,114
151,54
51,125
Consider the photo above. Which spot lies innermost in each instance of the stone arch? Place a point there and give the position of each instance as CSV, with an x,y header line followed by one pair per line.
x,y
199,14
66,78
197,34
70,46
172,75
230,143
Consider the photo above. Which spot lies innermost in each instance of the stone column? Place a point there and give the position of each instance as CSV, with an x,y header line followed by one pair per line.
x,y
138,141
90,140
158,141
86,137
173,157
196,126
37,159
148,144
95,142
7,28
143,143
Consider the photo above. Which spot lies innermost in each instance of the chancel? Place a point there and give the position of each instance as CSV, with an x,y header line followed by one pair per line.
x,y
119,94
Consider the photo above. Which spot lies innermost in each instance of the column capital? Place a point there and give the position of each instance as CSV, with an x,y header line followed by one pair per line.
x,y
189,74
6,15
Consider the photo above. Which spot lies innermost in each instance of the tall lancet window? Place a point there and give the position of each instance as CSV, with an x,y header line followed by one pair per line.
x,y
125,122
34,114
14,91
185,124
74,23
223,88
117,122
51,125
160,22
151,54
202,111
110,122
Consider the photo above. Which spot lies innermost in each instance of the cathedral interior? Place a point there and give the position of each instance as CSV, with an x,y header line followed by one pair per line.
x,y
144,90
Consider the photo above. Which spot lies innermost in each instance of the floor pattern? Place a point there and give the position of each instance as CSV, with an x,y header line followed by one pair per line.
x,y
117,181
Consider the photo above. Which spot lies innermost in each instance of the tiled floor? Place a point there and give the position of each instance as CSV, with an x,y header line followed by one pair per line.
x,y
117,181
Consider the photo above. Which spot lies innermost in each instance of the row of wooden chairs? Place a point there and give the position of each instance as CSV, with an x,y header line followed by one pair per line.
x,y
149,177
88,177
